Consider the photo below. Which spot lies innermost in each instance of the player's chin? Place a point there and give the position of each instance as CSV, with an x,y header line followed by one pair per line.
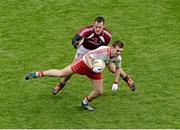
x,y
98,33
116,55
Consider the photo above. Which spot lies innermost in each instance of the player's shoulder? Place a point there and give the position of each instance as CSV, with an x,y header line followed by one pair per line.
x,y
103,47
119,58
87,28
107,32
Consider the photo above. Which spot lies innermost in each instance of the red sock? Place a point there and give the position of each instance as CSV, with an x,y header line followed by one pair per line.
x,y
128,80
88,99
40,73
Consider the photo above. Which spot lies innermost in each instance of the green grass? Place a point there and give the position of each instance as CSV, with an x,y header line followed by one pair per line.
x,y
35,35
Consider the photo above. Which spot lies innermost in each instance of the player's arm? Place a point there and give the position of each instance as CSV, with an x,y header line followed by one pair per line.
x,y
116,79
117,75
89,60
118,69
76,40
108,41
107,37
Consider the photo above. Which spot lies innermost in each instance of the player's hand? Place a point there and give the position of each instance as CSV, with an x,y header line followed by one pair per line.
x,y
97,69
75,44
115,87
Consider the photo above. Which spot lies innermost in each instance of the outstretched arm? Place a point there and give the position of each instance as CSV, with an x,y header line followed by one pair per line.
x,y
117,75
116,79
89,63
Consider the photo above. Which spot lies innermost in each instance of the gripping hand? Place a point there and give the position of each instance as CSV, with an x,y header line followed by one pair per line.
x,y
97,69
114,87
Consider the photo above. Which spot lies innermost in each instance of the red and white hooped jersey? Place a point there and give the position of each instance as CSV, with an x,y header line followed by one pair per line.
x,y
105,53
91,40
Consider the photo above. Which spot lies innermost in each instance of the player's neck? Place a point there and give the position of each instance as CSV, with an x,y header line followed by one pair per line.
x,y
111,52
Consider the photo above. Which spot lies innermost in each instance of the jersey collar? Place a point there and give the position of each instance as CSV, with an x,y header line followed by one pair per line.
x,y
110,52
101,34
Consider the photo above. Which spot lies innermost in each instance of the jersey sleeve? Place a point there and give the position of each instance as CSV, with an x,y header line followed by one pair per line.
x,y
98,53
75,40
84,32
107,36
108,41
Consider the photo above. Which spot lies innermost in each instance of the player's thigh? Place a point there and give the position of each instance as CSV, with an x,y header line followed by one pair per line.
x,y
67,71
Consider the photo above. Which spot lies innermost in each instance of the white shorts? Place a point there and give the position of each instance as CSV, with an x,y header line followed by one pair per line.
x,y
81,51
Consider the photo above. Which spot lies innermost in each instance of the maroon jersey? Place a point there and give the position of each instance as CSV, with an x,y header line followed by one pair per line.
x,y
93,41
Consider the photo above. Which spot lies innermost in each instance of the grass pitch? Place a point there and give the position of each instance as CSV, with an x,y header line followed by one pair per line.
x,y
35,35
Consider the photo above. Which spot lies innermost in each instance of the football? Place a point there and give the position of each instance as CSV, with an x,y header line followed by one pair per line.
x,y
99,63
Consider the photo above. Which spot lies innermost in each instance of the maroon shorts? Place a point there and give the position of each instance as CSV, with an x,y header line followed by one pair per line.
x,y
80,67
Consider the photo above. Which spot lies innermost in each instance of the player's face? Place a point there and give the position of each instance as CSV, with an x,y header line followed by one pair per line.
x,y
98,27
117,51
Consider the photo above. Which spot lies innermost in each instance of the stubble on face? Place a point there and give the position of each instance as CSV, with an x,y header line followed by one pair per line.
x,y
98,27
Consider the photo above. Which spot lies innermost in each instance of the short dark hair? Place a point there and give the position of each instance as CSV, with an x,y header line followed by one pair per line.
x,y
118,43
99,19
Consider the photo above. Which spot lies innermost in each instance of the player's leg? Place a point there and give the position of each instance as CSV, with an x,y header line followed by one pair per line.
x,y
61,85
53,72
124,76
128,80
64,80
96,92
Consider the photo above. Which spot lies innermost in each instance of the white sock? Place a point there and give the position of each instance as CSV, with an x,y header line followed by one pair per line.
x,y
85,101
37,75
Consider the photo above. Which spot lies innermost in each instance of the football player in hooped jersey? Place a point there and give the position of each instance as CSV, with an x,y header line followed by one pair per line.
x,y
84,66
90,38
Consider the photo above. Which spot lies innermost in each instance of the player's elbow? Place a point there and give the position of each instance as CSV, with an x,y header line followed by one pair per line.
x,y
75,40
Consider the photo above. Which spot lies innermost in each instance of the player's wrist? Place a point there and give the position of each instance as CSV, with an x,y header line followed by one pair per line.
x,y
91,68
